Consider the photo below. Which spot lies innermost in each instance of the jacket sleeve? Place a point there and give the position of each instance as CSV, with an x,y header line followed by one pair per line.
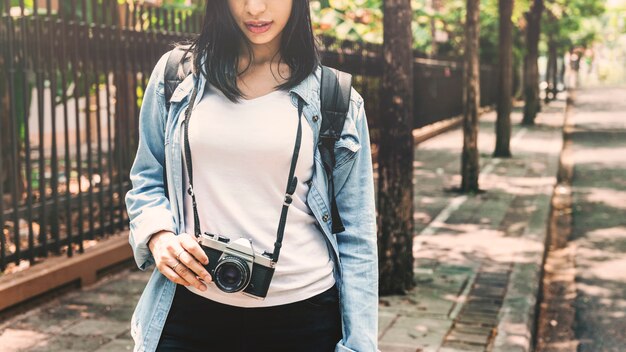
x,y
358,253
148,208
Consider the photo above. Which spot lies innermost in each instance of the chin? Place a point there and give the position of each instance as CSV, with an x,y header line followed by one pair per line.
x,y
259,41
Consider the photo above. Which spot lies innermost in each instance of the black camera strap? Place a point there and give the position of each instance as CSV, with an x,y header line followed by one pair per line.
x,y
292,180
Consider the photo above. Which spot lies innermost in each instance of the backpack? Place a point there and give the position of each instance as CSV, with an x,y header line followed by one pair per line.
x,y
334,98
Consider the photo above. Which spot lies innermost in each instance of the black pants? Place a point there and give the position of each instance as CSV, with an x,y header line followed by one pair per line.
x,y
195,323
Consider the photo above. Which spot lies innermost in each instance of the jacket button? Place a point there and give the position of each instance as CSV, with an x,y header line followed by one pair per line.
x,y
325,217
315,118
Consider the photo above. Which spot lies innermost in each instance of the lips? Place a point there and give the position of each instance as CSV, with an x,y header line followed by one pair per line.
x,y
258,26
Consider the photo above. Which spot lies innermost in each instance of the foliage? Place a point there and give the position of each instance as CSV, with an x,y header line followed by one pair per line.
x,y
359,20
362,20
570,22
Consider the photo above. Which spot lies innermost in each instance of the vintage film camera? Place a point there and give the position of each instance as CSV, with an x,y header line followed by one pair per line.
x,y
235,266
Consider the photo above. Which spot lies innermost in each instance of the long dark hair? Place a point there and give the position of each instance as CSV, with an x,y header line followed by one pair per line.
x,y
221,37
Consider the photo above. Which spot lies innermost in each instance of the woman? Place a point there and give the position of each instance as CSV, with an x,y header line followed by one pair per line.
x,y
254,91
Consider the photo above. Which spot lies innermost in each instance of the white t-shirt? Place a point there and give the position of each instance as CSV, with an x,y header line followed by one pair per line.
x,y
241,158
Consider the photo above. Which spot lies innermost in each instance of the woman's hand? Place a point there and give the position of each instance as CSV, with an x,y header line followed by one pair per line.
x,y
180,258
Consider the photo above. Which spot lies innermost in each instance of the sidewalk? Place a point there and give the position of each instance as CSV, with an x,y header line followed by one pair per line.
x,y
598,239
478,259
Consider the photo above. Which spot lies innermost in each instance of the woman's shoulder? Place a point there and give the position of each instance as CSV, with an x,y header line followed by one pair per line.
x,y
355,97
158,72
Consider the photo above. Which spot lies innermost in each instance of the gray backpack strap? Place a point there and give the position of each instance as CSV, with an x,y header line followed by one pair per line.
x,y
175,72
335,101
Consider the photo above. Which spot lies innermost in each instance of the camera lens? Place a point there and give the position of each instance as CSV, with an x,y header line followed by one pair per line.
x,y
232,274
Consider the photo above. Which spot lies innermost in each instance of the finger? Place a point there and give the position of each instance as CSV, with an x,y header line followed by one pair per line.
x,y
194,265
193,247
189,276
173,276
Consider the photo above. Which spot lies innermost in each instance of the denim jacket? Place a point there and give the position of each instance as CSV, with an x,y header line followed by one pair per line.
x,y
353,251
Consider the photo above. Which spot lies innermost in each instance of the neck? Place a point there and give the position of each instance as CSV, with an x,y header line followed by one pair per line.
x,y
263,54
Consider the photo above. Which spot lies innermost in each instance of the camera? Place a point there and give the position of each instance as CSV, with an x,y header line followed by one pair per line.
x,y
235,266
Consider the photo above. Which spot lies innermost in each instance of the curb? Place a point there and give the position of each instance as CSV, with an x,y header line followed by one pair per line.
x,y
56,272
518,317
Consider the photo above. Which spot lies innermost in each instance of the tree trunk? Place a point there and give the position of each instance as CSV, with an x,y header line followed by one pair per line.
x,y
471,100
555,71
5,135
562,70
531,79
551,71
503,122
435,6
395,159
575,57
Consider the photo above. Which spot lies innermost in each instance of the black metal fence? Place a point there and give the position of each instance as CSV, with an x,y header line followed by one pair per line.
x,y
72,75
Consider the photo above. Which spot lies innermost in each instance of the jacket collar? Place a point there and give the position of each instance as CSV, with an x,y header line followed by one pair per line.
x,y
307,89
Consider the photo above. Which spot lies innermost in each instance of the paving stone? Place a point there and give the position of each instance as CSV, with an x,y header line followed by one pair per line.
x,y
125,287
52,320
117,346
417,332
389,347
16,340
123,313
125,335
101,299
485,320
473,329
93,327
456,346
70,343
470,338
385,319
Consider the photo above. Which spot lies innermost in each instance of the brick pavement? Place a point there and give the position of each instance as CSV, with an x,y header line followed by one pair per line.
x,y
477,259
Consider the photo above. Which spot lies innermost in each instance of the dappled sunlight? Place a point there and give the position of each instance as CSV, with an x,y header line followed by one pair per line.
x,y
589,254
609,196
492,243
520,186
16,340
594,290
422,217
614,269
618,232
536,146
601,156
621,304
459,229
517,334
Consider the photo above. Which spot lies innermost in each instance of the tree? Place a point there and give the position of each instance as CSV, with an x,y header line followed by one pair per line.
x,y
568,24
395,159
471,100
551,69
531,70
505,83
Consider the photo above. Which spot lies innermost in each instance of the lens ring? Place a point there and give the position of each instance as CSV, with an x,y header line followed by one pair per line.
x,y
232,274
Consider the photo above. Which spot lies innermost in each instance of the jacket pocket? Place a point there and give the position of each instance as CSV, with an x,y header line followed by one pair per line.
x,y
345,151
348,145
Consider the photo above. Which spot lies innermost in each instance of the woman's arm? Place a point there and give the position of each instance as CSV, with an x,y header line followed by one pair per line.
x,y
358,245
148,208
